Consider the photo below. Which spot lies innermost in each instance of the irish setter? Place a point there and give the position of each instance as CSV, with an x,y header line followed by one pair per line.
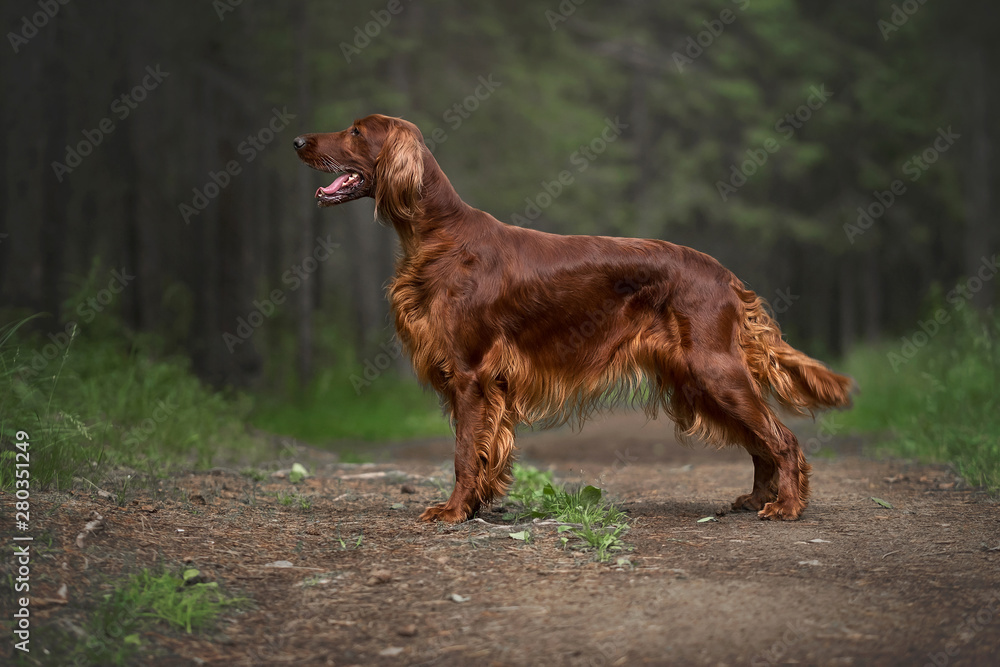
x,y
514,325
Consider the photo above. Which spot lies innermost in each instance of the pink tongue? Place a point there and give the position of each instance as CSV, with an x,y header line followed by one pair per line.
x,y
333,187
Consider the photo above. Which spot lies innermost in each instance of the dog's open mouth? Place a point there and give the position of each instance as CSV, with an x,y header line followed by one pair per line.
x,y
345,187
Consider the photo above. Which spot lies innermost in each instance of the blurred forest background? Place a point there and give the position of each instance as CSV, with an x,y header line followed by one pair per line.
x,y
838,156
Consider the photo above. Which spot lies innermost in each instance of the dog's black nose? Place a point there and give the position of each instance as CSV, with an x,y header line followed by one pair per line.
x,y
299,142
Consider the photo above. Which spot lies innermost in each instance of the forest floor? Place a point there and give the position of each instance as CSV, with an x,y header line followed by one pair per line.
x,y
361,582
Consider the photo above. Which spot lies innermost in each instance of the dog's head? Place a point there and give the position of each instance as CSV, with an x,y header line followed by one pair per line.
x,y
378,156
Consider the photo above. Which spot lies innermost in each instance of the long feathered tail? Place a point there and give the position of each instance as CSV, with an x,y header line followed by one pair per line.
x,y
796,380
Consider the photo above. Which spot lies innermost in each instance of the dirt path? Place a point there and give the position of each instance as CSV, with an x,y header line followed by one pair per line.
x,y
851,583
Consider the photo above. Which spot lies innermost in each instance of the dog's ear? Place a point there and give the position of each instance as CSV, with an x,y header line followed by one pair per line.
x,y
399,172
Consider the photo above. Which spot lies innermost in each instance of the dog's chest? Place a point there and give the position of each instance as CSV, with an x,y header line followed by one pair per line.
x,y
420,310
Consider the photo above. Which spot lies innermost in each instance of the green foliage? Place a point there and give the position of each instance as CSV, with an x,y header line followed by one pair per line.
x,y
597,523
180,602
95,402
943,401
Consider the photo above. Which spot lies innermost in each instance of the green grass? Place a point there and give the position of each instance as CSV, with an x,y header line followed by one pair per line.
x,y
353,397
144,600
939,401
391,408
588,516
98,403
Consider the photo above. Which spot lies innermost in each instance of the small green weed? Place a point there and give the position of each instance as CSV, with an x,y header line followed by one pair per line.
x,y
587,515
345,544
294,499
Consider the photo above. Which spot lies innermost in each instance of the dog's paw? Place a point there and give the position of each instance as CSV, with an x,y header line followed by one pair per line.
x,y
444,513
782,510
748,502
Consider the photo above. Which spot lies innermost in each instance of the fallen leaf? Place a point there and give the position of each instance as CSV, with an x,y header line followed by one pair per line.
x,y
298,473
95,524
882,503
707,518
522,535
455,597
819,541
391,651
809,562
279,563
366,475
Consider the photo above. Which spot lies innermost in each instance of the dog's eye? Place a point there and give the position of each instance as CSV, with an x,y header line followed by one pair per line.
x,y
355,132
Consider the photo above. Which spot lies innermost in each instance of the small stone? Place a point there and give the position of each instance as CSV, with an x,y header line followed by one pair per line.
x,y
407,630
407,488
379,577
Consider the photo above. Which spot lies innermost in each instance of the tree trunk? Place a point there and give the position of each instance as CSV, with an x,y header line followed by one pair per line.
x,y
305,206
979,237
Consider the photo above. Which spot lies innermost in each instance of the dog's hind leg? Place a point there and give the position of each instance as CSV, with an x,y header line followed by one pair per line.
x,y
765,485
730,407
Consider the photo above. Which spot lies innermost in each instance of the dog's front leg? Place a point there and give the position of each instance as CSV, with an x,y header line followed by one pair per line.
x,y
469,411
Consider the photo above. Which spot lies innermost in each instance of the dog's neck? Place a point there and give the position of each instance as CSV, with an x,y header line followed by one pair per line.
x,y
441,211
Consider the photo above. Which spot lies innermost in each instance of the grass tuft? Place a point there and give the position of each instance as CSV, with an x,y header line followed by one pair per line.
x,y
145,599
587,515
